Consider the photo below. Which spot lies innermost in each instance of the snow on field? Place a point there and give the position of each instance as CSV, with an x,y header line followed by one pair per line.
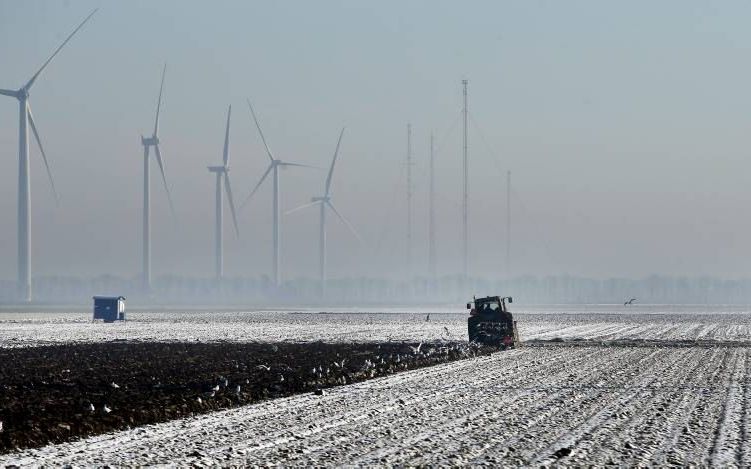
x,y
590,322
572,405
47,328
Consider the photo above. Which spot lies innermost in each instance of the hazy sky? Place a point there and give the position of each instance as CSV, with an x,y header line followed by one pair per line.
x,y
625,125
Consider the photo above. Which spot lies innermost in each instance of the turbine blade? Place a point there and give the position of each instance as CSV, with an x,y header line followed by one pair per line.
x,y
231,199
159,101
253,113
300,165
36,75
301,207
345,221
225,155
333,162
271,166
164,179
44,155
9,93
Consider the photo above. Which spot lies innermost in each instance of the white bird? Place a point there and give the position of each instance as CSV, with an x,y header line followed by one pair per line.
x,y
114,385
263,367
281,378
1,426
215,388
200,401
91,407
416,350
106,409
237,389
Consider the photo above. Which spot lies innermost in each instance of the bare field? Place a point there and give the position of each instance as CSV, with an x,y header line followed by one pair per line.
x,y
587,389
538,405
373,325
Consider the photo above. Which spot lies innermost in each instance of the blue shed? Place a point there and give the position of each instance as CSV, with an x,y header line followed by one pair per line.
x,y
109,308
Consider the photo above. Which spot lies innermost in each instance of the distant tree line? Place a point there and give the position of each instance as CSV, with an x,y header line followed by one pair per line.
x,y
181,290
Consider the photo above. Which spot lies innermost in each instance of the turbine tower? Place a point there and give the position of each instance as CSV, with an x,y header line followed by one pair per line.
x,y
24,192
147,143
324,202
222,175
274,166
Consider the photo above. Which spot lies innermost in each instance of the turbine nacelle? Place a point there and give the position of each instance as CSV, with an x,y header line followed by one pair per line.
x,y
218,169
150,141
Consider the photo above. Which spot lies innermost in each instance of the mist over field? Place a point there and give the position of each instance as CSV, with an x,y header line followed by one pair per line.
x,y
627,151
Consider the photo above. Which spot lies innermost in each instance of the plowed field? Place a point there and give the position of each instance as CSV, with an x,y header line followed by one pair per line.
x,y
586,389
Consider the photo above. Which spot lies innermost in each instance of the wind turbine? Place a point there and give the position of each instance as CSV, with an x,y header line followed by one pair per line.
x,y
24,192
147,143
324,202
274,166
222,175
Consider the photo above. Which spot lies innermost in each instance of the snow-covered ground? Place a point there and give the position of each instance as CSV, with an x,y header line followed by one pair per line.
x,y
590,322
534,406
664,401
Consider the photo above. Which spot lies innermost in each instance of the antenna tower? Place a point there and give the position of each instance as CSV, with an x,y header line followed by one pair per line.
x,y
431,221
465,200
409,198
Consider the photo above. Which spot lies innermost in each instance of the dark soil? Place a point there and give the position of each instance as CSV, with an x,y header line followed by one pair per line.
x,y
47,393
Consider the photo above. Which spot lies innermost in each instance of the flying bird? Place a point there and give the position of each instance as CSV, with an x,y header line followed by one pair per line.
x,y
629,302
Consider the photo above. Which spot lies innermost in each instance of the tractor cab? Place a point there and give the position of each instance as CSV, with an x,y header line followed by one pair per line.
x,y
490,322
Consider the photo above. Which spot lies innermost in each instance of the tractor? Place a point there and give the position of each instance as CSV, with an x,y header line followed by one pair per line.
x,y
490,323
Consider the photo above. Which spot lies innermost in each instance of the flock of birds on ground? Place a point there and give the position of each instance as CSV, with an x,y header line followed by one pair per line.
x,y
324,376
